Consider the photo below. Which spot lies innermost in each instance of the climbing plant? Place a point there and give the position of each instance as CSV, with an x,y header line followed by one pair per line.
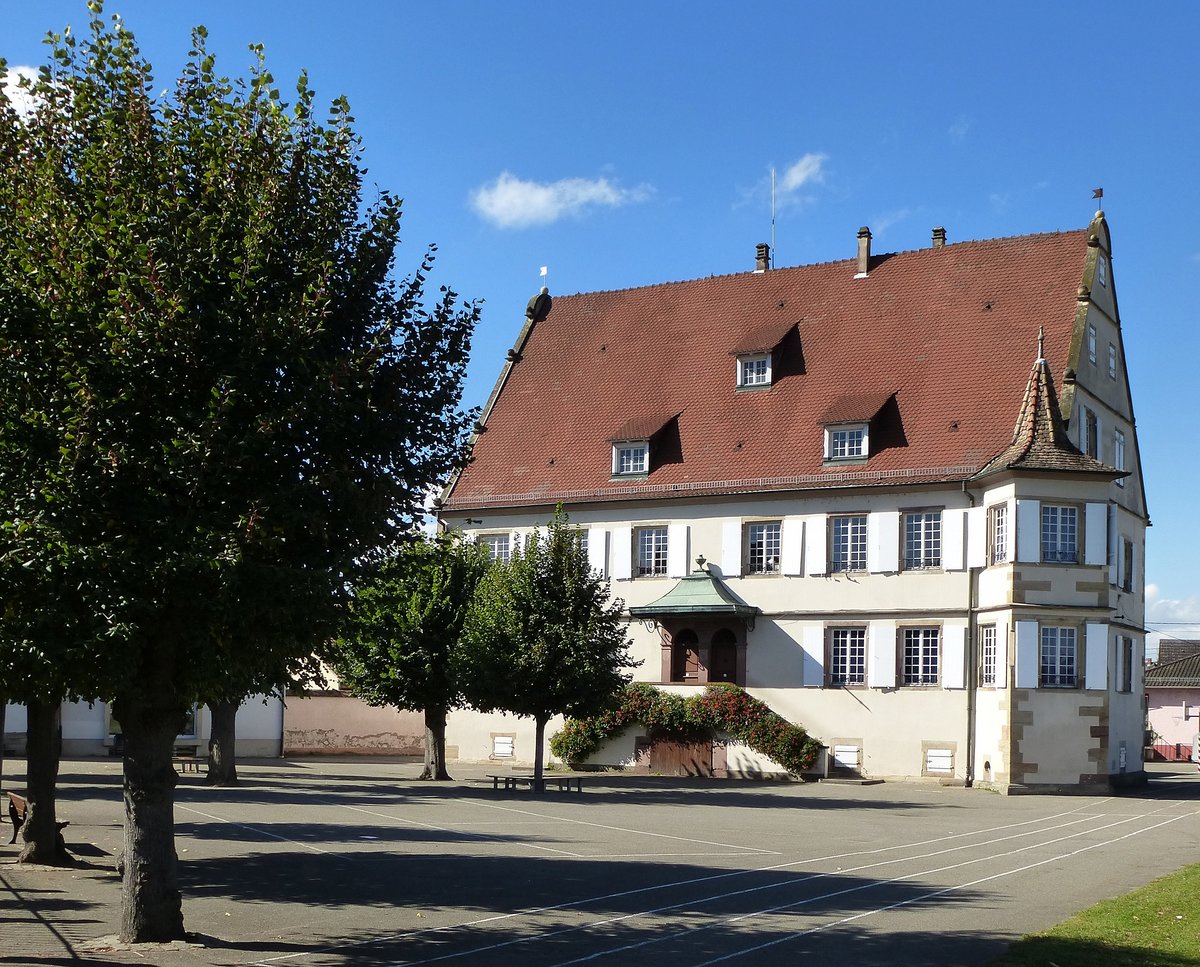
x,y
719,708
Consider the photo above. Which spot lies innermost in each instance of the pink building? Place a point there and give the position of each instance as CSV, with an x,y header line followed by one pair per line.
x,y
1173,707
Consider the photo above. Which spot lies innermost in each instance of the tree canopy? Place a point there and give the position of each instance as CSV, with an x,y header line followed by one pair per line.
x,y
400,643
541,636
219,400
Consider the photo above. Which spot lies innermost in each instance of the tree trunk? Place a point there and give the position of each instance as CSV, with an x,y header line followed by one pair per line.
x,y
151,908
435,745
222,761
40,837
539,756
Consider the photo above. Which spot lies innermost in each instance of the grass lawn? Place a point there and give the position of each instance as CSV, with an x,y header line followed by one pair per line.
x,y
1156,926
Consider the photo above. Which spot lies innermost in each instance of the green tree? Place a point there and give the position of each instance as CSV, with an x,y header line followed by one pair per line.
x,y
542,638
405,623
218,399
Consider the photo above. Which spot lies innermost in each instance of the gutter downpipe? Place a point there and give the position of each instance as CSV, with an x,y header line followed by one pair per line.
x,y
972,658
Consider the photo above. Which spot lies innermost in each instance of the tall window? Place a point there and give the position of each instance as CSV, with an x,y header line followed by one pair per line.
x,y
497,545
652,551
923,539
1126,652
987,656
846,442
1060,533
1059,665
1126,564
1112,361
847,656
754,371
920,656
998,534
1119,454
1091,344
762,548
1089,443
631,458
848,540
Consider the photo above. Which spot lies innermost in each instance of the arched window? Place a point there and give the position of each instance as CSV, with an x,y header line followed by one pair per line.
x,y
685,657
723,664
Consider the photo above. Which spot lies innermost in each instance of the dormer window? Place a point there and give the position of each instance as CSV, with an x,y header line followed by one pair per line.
x,y
754,370
631,458
850,442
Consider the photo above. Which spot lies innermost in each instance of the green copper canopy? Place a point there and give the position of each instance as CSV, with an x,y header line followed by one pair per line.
x,y
699,593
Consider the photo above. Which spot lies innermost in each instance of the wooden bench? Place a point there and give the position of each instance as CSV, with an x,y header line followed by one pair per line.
x,y
563,783
188,759
18,808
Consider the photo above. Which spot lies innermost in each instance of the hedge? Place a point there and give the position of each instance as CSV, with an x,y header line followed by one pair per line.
x,y
719,708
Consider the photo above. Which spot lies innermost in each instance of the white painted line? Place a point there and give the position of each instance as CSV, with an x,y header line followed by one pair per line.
x,y
864,886
534,911
931,895
257,829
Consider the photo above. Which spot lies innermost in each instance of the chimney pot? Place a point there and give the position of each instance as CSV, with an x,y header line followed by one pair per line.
x,y
762,257
939,237
864,252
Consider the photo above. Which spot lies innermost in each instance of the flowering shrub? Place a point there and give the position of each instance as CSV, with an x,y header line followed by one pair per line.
x,y
720,708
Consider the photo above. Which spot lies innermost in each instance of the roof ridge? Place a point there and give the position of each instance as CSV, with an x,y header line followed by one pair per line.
x,y
813,265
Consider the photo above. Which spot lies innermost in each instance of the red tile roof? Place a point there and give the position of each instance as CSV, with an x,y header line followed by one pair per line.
x,y
949,331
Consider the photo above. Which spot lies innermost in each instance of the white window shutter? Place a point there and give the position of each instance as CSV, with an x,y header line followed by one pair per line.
x,y
881,651
1002,655
883,541
1010,550
1029,532
791,546
677,550
731,548
1095,536
1028,654
814,544
1096,658
954,657
812,640
622,553
952,540
598,551
1114,555
977,537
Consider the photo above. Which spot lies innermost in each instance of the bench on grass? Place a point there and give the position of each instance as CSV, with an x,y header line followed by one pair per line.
x,y
563,783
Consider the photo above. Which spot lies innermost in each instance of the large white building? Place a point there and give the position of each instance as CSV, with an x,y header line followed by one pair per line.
x,y
913,480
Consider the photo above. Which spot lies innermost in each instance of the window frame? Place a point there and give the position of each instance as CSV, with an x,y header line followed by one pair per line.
x,y
760,380
1089,427
658,555
748,563
861,432
856,544
847,679
491,539
1112,361
998,534
1125,656
1058,678
1127,562
988,656
1092,342
1119,454
927,562
922,656
1056,556
1102,270
630,446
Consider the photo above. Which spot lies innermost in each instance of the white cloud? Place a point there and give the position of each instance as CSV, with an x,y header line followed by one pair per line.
x,y
881,223
960,128
21,100
809,169
512,202
1170,618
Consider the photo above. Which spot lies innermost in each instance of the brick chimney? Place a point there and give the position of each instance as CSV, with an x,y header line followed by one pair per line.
x,y
864,252
939,237
762,257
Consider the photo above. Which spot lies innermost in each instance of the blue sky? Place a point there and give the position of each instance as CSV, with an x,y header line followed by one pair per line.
x,y
629,143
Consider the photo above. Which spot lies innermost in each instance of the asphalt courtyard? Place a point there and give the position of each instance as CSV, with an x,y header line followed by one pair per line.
x,y
314,862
